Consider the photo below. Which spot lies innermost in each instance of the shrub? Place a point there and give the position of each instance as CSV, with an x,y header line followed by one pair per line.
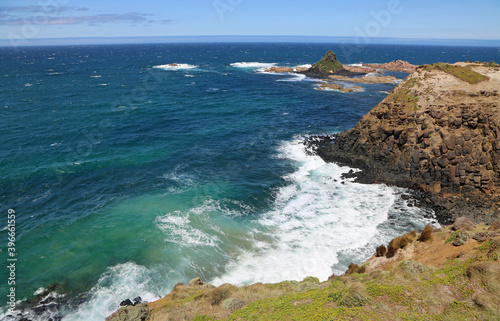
x,y
400,242
426,234
354,268
381,251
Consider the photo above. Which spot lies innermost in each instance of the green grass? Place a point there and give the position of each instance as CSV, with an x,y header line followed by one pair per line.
x,y
402,95
491,64
328,63
462,73
447,293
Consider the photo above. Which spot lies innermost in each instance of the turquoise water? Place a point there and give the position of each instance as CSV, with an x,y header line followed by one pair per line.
x,y
128,176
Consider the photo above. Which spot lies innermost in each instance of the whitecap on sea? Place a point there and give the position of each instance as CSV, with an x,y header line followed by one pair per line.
x,y
294,77
175,66
254,65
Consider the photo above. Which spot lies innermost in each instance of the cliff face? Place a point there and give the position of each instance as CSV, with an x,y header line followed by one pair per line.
x,y
439,130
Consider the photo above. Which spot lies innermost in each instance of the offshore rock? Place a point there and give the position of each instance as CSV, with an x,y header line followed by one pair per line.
x,y
279,69
329,65
400,65
438,132
360,69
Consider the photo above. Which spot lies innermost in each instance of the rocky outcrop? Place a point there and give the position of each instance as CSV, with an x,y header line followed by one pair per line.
x,y
367,79
399,65
333,86
131,313
279,69
438,131
329,65
300,68
360,69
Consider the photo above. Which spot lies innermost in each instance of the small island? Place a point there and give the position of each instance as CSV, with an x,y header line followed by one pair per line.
x,y
332,71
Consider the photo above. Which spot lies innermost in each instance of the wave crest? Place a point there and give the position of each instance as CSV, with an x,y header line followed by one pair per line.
x,y
175,66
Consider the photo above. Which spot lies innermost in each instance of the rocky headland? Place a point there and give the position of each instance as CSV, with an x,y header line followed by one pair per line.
x,y
437,132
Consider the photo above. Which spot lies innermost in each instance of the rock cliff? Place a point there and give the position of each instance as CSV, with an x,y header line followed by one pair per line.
x,y
438,131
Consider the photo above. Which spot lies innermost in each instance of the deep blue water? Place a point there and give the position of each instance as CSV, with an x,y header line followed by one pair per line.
x,y
128,177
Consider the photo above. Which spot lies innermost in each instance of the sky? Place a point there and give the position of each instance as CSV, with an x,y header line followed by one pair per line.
x,y
26,21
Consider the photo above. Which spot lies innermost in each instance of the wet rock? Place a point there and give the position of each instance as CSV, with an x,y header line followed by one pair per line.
x,y
126,303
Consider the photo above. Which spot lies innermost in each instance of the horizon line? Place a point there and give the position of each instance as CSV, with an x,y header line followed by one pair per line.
x,y
28,42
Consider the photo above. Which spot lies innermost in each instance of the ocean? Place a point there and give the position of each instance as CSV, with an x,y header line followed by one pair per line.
x,y
126,175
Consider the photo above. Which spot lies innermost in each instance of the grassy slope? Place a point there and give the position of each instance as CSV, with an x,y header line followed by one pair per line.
x,y
466,287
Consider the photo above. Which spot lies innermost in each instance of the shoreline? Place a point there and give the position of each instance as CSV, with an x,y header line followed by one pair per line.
x,y
316,145
459,260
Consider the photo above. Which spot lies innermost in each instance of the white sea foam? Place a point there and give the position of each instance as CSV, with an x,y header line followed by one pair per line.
x,y
119,282
305,66
39,291
175,67
179,229
96,76
253,65
294,77
315,218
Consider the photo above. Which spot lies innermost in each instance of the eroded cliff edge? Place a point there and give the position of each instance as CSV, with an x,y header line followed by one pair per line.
x,y
439,132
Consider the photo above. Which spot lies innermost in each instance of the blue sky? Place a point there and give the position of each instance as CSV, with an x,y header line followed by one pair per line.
x,y
27,20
